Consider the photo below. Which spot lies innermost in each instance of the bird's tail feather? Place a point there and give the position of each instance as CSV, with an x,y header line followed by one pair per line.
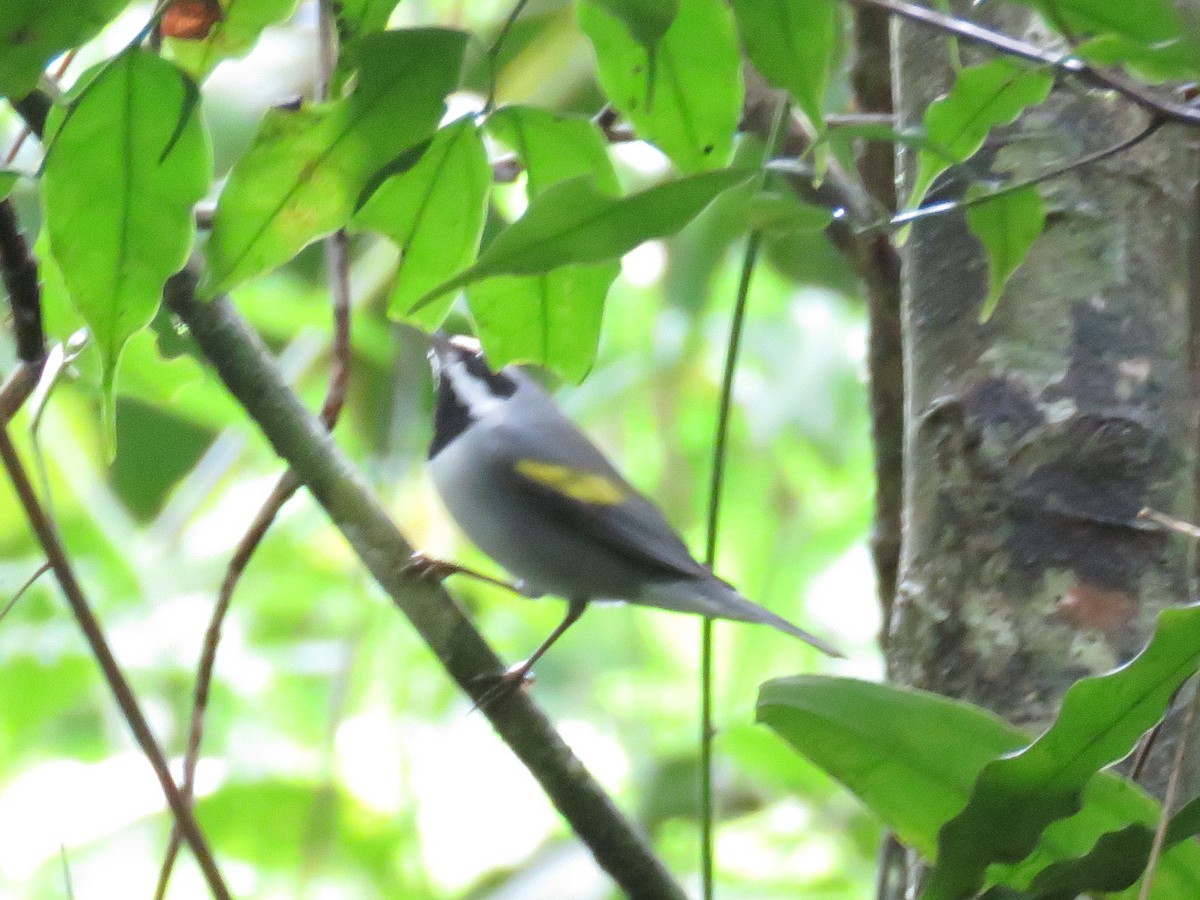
x,y
714,597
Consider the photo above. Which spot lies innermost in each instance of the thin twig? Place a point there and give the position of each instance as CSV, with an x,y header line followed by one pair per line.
x,y
1170,523
27,130
337,261
872,79
1067,65
1164,819
38,573
947,206
493,53
716,483
16,390
47,535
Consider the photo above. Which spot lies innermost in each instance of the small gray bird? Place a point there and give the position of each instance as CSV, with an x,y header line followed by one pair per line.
x,y
532,492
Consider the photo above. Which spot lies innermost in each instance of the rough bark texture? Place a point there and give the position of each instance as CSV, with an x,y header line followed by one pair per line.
x,y
1033,440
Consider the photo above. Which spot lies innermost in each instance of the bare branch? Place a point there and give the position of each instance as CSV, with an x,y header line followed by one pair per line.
x,y
20,274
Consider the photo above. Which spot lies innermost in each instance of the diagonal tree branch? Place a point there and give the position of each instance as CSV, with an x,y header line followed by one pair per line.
x,y
47,536
248,371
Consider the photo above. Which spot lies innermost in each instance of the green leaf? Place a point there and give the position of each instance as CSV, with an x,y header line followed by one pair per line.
x,y
552,319
302,176
794,46
1115,862
554,147
434,213
875,739
1006,225
781,213
1101,720
8,181
646,20
356,18
842,137
233,35
983,97
573,223
127,162
697,80
33,32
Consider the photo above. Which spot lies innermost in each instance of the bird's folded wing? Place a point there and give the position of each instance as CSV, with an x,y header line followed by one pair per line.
x,y
590,498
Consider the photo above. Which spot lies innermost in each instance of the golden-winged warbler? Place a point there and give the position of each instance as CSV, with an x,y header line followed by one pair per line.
x,y
532,492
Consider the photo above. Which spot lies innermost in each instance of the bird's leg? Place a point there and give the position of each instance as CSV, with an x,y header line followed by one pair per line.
x,y
519,675
421,566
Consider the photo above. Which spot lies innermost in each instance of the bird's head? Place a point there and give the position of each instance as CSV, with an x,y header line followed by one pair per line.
x,y
467,389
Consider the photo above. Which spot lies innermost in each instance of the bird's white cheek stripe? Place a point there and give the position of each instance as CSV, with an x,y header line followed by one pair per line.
x,y
472,391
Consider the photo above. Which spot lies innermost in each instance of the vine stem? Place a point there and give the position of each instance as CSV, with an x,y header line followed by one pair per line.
x,y
47,535
720,446
337,263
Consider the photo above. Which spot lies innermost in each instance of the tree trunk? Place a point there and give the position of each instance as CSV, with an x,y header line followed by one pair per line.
x,y
1033,440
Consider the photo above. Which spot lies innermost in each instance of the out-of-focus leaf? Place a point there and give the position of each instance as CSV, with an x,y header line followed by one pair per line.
x,y
554,148
914,138
127,161
983,97
1153,38
697,86
233,35
572,223
157,448
553,318
1101,720
646,20
874,738
780,213
1113,864
8,180
32,32
306,169
434,212
1007,226
356,18
793,45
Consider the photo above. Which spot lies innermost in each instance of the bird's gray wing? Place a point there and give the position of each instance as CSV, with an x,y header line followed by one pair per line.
x,y
575,485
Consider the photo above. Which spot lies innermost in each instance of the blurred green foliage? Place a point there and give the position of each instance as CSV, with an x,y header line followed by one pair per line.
x,y
339,761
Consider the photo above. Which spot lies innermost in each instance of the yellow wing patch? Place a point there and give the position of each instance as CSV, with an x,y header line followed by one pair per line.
x,y
586,487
